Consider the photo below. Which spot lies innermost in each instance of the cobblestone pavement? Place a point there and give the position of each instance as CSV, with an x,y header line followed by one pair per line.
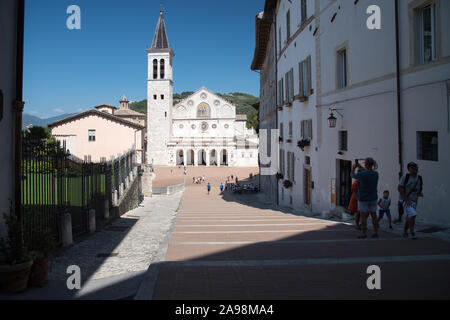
x,y
233,247
113,260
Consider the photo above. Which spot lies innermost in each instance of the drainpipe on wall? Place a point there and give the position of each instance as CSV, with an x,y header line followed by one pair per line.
x,y
18,109
276,97
399,110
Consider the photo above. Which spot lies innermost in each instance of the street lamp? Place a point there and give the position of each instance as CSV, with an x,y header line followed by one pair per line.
x,y
332,119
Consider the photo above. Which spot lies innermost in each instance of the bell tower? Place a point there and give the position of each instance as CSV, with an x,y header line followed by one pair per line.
x,y
159,96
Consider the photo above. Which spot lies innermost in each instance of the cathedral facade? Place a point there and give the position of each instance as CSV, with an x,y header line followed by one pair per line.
x,y
202,129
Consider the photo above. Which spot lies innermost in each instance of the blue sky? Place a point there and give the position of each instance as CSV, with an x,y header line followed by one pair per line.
x,y
68,71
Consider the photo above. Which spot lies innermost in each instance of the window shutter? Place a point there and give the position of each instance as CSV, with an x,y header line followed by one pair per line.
x,y
302,126
300,72
293,166
310,129
288,166
309,76
292,84
286,77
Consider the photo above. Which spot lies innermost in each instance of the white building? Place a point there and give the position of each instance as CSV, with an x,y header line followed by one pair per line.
x,y
203,129
353,75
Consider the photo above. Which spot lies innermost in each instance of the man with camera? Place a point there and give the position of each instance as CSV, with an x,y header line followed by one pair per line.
x,y
367,194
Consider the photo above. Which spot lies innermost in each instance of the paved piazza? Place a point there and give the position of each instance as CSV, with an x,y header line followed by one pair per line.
x,y
227,246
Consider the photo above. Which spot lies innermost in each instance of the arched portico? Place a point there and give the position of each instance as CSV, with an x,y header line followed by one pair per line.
x,y
201,157
190,157
180,158
213,159
224,157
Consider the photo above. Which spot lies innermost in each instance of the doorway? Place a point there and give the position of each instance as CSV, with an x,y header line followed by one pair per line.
x,y
307,186
344,183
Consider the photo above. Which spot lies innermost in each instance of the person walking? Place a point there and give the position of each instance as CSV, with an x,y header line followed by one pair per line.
x,y
353,205
410,189
384,203
399,205
208,187
367,194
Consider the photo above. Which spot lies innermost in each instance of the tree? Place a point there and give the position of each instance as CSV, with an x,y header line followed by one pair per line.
x,y
253,121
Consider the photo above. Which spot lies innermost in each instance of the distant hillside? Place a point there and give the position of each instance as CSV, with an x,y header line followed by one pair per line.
x,y
242,101
28,119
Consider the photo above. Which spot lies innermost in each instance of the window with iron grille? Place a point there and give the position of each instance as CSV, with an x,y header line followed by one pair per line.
x,y
290,128
281,130
343,141
427,145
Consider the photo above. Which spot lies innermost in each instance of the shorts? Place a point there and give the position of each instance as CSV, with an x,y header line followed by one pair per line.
x,y
381,213
367,206
410,210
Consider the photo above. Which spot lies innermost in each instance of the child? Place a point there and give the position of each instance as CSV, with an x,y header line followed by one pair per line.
x,y
353,206
209,187
221,187
384,204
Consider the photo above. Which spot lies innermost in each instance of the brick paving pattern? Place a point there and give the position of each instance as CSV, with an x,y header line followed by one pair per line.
x,y
233,247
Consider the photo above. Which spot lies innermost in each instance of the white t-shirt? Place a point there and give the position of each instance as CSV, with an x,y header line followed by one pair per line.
x,y
412,187
385,202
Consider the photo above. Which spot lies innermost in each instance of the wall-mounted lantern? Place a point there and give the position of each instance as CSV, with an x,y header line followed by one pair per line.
x,y
332,119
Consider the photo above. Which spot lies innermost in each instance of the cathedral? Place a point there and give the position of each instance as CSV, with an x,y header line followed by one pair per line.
x,y
202,129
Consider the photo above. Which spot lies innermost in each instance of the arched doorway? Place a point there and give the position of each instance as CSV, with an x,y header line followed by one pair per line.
x,y
180,158
224,157
201,160
190,157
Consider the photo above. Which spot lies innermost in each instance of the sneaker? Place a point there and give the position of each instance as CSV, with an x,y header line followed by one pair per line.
x,y
390,227
413,235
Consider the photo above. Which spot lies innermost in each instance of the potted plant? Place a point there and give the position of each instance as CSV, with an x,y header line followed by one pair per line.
x,y
15,263
304,143
303,99
279,176
40,244
287,184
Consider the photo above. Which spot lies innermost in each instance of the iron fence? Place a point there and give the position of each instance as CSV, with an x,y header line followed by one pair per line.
x,y
54,182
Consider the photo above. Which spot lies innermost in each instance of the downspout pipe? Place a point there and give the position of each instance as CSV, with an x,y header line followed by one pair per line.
x,y
18,105
399,100
276,98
